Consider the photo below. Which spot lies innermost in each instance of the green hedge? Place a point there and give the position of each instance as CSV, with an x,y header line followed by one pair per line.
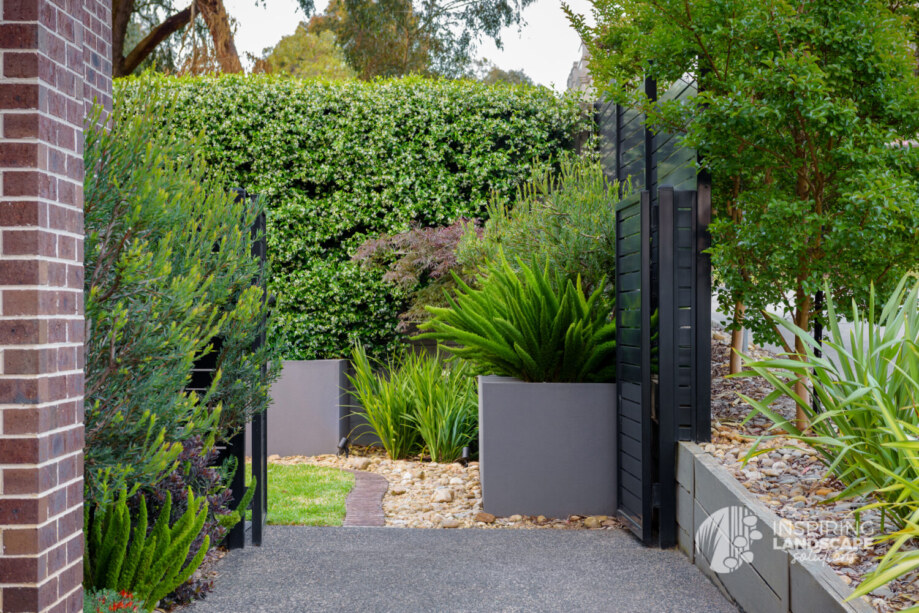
x,y
342,161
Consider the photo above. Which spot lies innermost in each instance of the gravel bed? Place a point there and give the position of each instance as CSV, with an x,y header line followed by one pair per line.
x,y
791,480
431,495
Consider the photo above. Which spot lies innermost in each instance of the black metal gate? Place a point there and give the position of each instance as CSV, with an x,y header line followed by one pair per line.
x,y
663,303
202,376
663,310
633,363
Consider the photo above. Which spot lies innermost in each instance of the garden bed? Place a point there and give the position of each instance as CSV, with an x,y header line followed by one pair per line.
x,y
433,495
790,481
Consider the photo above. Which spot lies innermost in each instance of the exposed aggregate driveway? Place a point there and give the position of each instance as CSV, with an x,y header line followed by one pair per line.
x,y
301,569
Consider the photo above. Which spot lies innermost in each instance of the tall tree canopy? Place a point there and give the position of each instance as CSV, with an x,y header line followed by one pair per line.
x,y
397,37
309,55
800,103
141,27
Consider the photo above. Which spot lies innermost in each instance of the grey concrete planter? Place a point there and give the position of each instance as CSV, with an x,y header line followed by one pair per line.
x,y
547,448
773,580
309,407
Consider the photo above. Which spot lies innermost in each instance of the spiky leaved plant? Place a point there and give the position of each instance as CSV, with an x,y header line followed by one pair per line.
x,y
529,324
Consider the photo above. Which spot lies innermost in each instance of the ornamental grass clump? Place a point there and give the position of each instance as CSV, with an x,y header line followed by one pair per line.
x,y
529,324
417,404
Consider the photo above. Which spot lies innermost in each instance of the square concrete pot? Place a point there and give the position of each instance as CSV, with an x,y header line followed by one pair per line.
x,y
310,404
547,448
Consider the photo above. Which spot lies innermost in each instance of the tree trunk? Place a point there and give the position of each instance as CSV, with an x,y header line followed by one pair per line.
x,y
218,24
127,65
121,16
737,338
802,320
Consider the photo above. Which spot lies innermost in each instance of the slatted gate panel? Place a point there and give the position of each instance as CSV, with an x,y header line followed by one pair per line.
x,y
633,364
663,276
202,375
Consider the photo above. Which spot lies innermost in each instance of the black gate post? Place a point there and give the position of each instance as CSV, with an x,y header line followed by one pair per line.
x,y
702,308
260,421
236,448
668,365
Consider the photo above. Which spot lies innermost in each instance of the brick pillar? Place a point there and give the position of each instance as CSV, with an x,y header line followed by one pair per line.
x,y
55,59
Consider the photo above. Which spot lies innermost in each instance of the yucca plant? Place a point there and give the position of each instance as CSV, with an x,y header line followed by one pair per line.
x,y
386,402
149,566
866,426
529,324
445,405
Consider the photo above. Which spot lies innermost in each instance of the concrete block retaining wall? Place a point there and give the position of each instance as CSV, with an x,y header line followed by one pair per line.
x,y
772,581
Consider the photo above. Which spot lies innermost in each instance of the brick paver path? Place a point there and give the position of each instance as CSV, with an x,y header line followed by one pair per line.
x,y
364,505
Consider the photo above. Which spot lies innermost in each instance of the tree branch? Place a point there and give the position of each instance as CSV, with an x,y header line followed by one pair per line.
x,y
156,36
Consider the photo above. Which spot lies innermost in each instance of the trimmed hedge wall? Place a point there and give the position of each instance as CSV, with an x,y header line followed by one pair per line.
x,y
342,161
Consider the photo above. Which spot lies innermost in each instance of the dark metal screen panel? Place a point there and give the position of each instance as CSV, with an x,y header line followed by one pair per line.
x,y
633,363
202,375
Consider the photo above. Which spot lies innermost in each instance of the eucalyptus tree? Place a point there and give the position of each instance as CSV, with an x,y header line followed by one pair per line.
x,y
397,37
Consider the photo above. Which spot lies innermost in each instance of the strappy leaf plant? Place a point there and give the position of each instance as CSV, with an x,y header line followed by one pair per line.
x,y
866,425
417,404
868,398
529,324
385,402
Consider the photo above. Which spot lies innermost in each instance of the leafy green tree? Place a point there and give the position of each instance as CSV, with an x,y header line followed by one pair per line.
x,y
309,55
398,37
801,103
488,73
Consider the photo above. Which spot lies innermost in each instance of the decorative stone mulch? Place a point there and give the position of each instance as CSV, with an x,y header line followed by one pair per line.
x,y
431,495
791,481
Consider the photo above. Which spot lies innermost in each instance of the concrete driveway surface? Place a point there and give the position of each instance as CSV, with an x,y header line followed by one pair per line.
x,y
301,569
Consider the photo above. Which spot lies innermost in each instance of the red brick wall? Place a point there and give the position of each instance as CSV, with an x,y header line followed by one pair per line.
x,y
55,58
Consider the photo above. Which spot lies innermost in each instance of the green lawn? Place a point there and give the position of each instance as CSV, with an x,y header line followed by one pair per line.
x,y
305,495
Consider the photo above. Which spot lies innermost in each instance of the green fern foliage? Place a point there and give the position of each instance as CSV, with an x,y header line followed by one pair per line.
x,y
529,324
149,566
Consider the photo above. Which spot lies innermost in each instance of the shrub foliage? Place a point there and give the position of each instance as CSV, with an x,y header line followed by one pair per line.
x,y
343,162
168,269
148,565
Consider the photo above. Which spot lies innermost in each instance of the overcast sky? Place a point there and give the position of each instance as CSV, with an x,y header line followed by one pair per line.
x,y
544,48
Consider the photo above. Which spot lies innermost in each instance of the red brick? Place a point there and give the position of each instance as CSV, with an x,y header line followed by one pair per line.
x,y
19,95
29,540
21,569
21,481
30,420
19,125
19,451
18,155
20,511
19,391
18,36
29,242
20,272
30,599
20,331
